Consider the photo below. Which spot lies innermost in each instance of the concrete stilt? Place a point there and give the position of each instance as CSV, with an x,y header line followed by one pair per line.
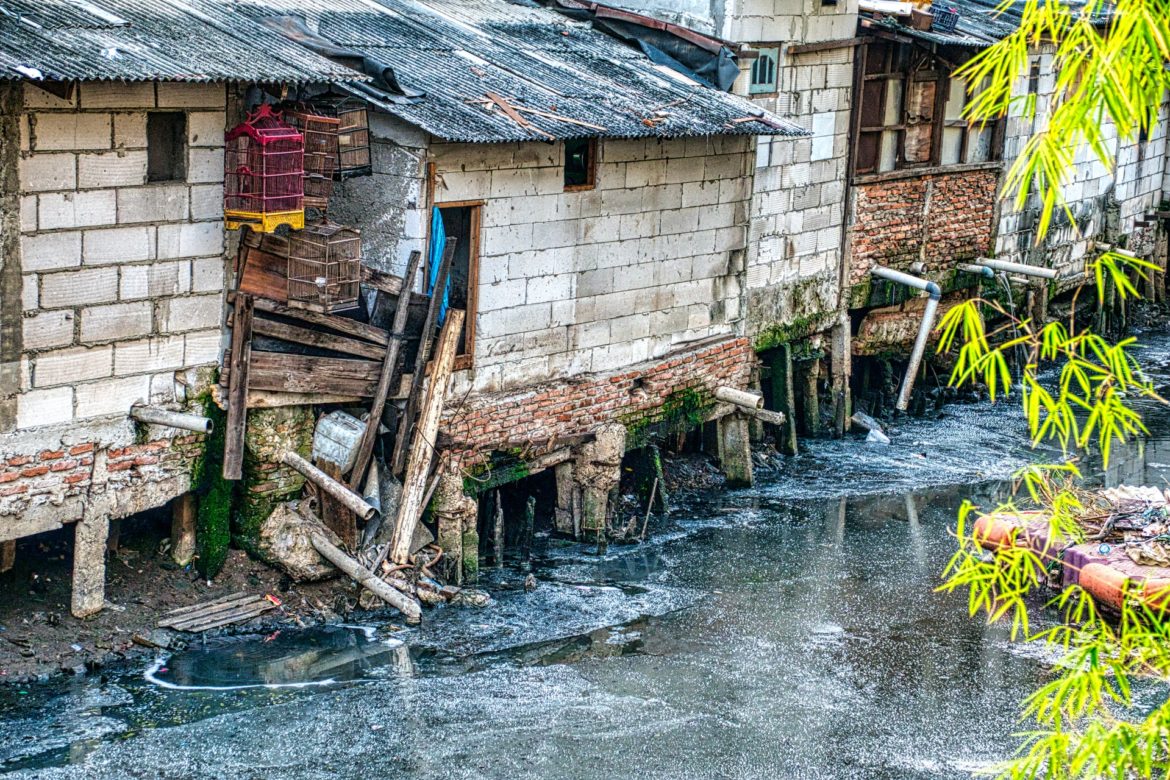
x,y
784,396
89,565
840,369
565,520
457,516
735,449
597,472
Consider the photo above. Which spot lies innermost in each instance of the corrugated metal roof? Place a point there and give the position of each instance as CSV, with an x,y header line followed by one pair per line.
x,y
147,40
456,51
981,23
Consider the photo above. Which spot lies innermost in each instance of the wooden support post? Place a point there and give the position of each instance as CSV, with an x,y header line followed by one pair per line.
x,y
564,521
365,448
659,481
337,517
7,555
812,399
418,463
498,532
783,396
89,565
183,529
237,412
406,423
840,369
114,536
529,527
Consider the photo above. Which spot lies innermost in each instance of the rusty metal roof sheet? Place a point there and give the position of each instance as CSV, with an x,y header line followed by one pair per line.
x,y
148,40
981,23
583,82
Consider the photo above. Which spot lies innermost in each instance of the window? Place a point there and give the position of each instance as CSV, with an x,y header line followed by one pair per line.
x,y
460,222
580,164
166,146
911,114
764,70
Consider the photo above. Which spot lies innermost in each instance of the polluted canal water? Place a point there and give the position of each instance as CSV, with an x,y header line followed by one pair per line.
x,y
787,631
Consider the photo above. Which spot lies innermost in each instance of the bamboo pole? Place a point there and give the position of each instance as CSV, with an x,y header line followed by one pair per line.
x,y
352,500
426,430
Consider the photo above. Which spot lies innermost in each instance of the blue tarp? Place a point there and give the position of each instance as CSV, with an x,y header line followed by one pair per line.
x,y
438,243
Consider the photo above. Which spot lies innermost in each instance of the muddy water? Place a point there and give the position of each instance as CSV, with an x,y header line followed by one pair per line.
x,y
789,631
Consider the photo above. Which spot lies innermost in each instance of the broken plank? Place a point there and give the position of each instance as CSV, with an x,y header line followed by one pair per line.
x,y
287,373
344,325
414,483
237,412
365,447
201,611
295,334
239,614
382,281
264,275
204,604
270,399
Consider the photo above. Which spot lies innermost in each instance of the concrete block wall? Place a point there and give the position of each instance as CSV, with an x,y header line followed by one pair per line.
x,y
572,283
120,299
756,20
122,279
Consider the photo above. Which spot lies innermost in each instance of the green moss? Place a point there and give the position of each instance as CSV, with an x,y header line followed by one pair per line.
x,y
681,412
216,496
775,335
503,468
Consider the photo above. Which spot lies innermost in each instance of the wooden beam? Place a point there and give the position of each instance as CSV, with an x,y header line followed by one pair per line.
x,y
844,43
365,448
7,555
381,281
418,469
272,399
287,373
183,529
397,459
237,412
344,325
295,334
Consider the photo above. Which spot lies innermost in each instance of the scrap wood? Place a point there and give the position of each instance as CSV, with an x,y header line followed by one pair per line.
x,y
398,457
344,325
284,372
237,398
362,576
514,115
415,481
365,449
216,613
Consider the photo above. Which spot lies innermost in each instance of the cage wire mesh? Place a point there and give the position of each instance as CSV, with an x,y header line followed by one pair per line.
x,y
353,133
321,154
264,173
324,267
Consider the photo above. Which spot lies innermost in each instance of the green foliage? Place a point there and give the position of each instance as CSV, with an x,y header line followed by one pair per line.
x,y
1117,80
1082,723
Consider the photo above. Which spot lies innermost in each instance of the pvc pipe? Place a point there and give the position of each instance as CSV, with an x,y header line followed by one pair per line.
x,y
923,330
1019,268
739,398
352,500
156,416
982,270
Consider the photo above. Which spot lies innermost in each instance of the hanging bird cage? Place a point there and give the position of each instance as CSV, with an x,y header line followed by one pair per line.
x,y
264,174
324,268
321,154
353,133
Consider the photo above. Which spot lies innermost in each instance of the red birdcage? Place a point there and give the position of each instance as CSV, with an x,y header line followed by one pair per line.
x,y
321,154
264,169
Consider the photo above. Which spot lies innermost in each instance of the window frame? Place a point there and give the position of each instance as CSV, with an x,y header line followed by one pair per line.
x,y
179,169
591,170
902,63
773,50
466,359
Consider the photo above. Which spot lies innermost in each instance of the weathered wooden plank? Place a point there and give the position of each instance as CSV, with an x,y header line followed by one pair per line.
x,y
237,412
231,597
183,529
344,325
295,334
308,374
365,448
237,614
7,555
270,399
337,517
264,275
414,483
383,282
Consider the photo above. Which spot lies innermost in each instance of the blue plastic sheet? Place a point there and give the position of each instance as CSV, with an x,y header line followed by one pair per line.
x,y
438,243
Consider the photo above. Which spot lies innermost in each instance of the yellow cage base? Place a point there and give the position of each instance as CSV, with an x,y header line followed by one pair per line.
x,y
264,223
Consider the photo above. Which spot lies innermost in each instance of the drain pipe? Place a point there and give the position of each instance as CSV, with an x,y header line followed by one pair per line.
x,y
923,330
979,270
1019,268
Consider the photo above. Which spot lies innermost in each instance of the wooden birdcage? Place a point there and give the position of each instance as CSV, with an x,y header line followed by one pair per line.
x,y
264,174
324,267
353,133
321,154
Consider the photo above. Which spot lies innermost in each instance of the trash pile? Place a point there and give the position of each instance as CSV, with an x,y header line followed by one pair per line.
x,y
1138,522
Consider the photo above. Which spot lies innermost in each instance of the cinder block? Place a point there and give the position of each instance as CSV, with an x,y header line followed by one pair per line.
x,y
112,396
47,172
69,366
149,356
35,97
195,312
207,202
186,95
48,329
44,407
207,274
206,128
157,280
111,169
557,287
79,288
117,245
117,94
203,348
119,321
57,132
30,294
77,209
200,239
204,165
502,295
50,251
28,213
154,203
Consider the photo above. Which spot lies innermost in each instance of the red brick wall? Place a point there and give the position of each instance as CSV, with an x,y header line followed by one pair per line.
x,y
582,405
952,213
68,473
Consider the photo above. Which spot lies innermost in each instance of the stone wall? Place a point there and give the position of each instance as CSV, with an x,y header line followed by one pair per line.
x,y
938,219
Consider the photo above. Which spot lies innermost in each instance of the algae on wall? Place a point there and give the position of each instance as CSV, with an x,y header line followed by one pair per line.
x,y
266,482
213,517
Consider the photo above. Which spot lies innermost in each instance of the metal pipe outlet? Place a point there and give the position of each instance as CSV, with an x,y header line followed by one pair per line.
x,y
924,329
1019,268
156,416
